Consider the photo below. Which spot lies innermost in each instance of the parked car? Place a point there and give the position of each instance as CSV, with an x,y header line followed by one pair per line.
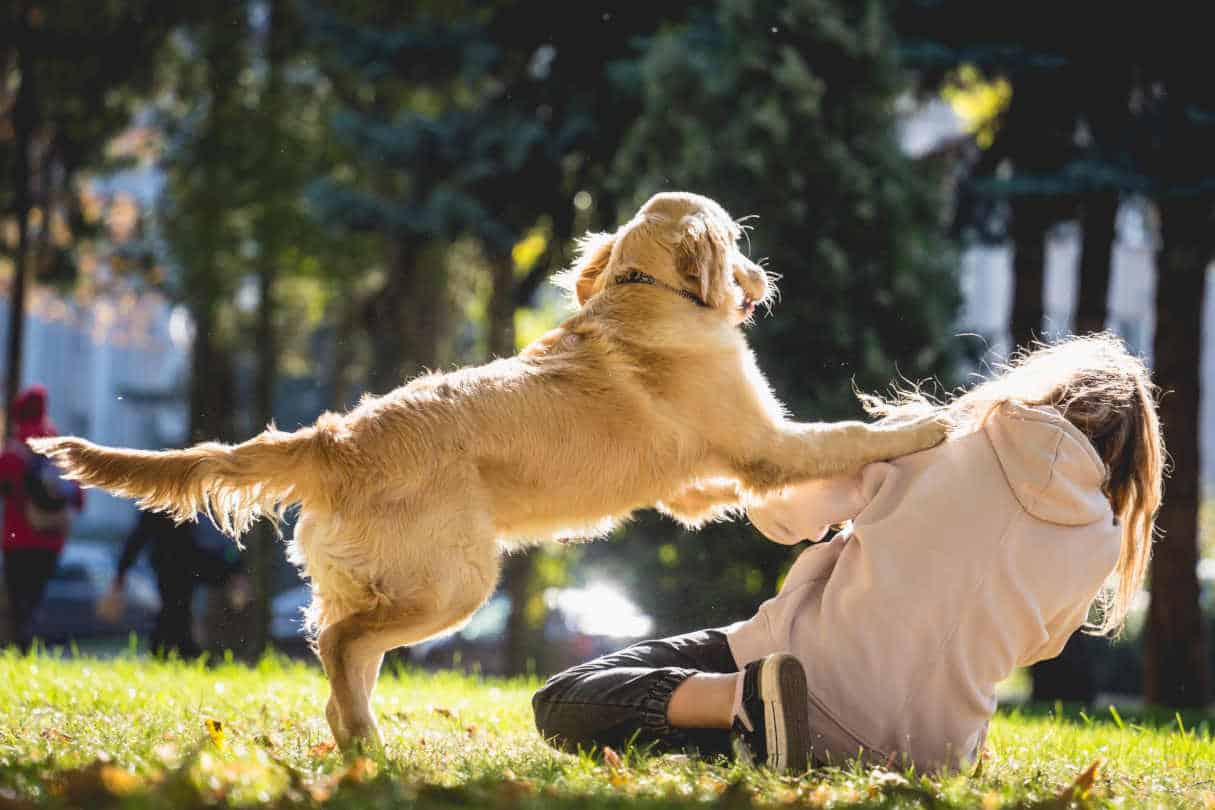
x,y
582,623
69,610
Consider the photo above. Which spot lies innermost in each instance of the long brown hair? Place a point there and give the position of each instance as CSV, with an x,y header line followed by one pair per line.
x,y
1108,394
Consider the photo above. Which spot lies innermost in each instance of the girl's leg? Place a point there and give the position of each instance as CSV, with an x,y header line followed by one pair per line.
x,y
626,697
705,700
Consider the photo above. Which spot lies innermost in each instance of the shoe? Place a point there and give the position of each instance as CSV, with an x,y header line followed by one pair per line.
x,y
776,702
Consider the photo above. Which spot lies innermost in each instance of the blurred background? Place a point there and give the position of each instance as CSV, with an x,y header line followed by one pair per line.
x,y
217,214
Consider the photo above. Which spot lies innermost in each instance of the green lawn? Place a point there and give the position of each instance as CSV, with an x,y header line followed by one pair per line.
x,y
136,733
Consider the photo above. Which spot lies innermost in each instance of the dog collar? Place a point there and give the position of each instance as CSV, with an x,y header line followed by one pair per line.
x,y
638,277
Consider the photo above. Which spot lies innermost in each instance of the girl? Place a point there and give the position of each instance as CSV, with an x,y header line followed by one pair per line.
x,y
956,565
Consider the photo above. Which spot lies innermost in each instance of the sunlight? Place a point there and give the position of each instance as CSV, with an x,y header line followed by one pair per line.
x,y
600,609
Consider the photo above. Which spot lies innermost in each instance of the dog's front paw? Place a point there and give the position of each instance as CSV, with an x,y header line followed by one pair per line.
x,y
916,434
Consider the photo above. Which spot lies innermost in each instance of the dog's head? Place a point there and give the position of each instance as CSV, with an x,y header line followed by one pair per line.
x,y
684,241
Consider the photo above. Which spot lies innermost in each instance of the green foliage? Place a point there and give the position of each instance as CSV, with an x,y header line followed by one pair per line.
x,y
132,733
785,110
71,75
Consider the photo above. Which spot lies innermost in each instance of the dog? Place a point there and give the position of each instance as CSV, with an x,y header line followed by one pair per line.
x,y
647,396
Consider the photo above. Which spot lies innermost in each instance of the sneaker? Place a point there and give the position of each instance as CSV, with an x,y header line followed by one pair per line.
x,y
776,702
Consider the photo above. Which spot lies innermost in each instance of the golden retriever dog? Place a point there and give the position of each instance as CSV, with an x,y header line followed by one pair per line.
x,y
647,396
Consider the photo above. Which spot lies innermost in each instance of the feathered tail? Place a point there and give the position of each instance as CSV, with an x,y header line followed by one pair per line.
x,y
233,485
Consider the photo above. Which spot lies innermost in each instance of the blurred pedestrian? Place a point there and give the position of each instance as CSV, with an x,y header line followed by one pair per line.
x,y
38,509
180,566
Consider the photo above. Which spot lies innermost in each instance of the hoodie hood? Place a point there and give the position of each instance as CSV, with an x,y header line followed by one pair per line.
x,y
1051,467
29,414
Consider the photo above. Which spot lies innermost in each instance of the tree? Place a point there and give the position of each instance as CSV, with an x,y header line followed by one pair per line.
x,y
478,126
785,110
1140,118
1176,125
243,147
73,74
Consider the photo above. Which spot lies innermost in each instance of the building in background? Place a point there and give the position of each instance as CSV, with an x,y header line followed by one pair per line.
x,y
114,356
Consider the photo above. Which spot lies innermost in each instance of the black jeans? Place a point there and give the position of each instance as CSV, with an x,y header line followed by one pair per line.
x,y
174,630
622,697
26,574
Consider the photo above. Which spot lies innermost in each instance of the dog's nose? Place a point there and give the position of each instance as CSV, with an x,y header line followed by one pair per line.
x,y
752,278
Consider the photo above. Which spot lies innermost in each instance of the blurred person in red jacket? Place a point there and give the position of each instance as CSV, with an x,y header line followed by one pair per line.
x,y
38,507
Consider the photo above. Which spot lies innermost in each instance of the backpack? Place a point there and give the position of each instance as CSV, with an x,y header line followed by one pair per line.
x,y
47,496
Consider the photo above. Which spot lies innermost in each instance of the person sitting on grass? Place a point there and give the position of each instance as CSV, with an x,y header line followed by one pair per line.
x,y
955,565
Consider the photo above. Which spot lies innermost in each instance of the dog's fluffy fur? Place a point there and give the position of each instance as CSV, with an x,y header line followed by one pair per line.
x,y
642,398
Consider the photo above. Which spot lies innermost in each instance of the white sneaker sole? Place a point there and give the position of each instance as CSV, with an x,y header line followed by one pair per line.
x,y
782,690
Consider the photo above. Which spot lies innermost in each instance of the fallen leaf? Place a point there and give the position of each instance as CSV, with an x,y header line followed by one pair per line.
x,y
56,735
612,759
96,784
361,770
215,729
1083,784
322,749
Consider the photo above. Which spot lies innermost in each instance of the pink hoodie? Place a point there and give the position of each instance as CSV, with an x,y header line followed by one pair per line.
x,y
962,562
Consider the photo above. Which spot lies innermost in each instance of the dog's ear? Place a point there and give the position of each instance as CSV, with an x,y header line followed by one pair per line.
x,y
702,254
594,253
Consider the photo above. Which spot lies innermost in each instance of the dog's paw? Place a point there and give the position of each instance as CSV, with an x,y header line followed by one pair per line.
x,y
918,434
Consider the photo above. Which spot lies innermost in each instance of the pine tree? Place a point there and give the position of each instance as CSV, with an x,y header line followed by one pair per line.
x,y
785,110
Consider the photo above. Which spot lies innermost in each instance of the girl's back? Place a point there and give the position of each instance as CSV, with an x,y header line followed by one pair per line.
x,y
962,562
967,560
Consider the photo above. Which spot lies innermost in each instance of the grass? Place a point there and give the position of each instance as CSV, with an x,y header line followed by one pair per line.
x,y
82,732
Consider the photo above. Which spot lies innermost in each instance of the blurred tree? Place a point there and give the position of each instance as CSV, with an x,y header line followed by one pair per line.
x,y
1053,152
1176,113
1058,150
71,75
247,135
1133,118
785,109
480,125
207,171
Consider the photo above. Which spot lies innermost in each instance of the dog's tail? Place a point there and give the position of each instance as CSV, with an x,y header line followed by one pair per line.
x,y
233,485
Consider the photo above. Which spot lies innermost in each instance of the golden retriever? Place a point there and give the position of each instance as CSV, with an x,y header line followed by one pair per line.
x,y
647,396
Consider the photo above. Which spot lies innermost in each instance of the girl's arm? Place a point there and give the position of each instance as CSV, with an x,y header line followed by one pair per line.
x,y
806,511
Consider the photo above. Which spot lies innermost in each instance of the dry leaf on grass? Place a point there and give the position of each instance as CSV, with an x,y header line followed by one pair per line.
x,y
215,730
322,749
362,769
1079,789
96,784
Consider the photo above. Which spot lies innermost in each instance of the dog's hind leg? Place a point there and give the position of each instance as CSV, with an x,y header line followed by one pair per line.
x,y
353,648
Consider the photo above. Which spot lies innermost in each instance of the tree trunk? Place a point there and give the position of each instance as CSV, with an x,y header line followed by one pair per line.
x,y
24,116
517,572
384,322
408,318
501,326
344,350
212,387
1176,668
1097,219
269,236
1028,232
262,545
